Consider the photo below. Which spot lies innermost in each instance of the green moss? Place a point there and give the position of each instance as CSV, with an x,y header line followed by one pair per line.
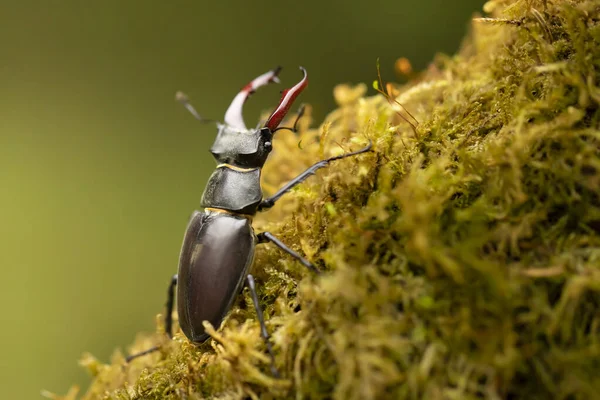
x,y
462,258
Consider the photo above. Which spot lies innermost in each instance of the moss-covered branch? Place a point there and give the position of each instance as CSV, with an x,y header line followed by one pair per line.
x,y
462,259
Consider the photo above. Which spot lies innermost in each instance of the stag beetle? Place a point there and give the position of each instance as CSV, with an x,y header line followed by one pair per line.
x,y
218,246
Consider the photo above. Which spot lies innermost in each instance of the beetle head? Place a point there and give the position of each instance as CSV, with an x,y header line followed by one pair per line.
x,y
248,148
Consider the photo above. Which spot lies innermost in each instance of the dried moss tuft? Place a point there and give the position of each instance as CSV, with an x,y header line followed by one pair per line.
x,y
462,258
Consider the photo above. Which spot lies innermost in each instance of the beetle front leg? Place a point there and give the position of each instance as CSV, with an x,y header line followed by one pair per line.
x,y
270,201
266,237
263,328
168,319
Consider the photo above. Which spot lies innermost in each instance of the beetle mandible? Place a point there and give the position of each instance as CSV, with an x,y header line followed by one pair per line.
x,y
218,246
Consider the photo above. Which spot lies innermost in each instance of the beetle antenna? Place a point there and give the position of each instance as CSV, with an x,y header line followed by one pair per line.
x,y
295,127
233,115
287,98
185,101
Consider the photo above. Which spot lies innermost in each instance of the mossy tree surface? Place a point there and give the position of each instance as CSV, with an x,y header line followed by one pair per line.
x,y
461,258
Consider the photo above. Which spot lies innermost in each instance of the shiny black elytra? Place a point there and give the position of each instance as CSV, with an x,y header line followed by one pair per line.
x,y
218,246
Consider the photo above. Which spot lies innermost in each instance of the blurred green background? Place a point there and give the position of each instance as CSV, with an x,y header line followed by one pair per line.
x,y
101,168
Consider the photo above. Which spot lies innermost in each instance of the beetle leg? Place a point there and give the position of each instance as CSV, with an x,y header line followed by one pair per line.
x,y
266,237
261,320
141,353
168,320
169,306
270,201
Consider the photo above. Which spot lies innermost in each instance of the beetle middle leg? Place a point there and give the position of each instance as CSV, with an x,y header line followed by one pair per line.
x,y
168,319
266,237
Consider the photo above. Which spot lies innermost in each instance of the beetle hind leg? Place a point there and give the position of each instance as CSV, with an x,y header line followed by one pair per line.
x,y
169,306
263,328
168,320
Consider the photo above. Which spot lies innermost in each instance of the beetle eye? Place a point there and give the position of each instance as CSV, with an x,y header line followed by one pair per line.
x,y
268,146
